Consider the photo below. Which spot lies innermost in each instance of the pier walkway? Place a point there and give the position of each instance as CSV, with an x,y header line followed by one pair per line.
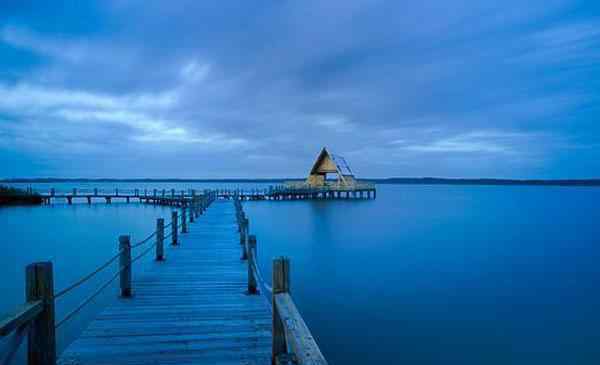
x,y
192,309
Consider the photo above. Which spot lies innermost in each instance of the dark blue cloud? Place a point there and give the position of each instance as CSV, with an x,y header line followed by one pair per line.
x,y
468,88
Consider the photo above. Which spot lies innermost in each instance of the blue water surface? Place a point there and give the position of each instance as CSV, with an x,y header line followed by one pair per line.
x,y
421,275
444,274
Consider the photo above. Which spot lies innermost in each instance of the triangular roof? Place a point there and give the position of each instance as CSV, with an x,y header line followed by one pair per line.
x,y
324,164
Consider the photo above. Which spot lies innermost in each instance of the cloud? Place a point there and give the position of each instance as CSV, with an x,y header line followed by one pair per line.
x,y
474,142
138,112
421,88
336,123
194,71
25,39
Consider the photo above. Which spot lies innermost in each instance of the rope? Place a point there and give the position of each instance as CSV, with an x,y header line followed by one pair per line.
x,y
89,299
87,277
258,273
97,292
145,240
143,253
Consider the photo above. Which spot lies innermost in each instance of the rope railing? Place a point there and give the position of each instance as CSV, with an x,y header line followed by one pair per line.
x,y
41,296
103,266
89,299
144,253
258,273
145,240
87,277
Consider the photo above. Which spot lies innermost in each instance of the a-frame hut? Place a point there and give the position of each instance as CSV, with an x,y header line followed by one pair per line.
x,y
327,163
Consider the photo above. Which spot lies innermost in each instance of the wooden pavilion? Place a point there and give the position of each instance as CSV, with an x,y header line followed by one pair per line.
x,y
327,163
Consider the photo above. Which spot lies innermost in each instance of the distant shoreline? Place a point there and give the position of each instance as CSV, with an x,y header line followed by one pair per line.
x,y
392,180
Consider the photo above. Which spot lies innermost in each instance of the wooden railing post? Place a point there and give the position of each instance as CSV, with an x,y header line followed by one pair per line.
x,y
281,284
39,285
184,228
251,277
174,228
125,265
160,239
192,210
244,237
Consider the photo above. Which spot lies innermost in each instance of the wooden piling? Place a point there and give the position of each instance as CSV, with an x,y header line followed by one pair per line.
x,y
281,284
251,262
160,239
174,228
39,285
125,265
184,228
243,237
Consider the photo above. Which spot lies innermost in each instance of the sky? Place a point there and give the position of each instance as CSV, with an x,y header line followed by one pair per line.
x,y
245,89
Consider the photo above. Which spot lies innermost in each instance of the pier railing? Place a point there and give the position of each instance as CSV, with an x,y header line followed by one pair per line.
x,y
35,319
292,340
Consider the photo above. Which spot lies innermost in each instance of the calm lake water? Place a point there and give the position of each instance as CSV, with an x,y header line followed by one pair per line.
x,y
422,275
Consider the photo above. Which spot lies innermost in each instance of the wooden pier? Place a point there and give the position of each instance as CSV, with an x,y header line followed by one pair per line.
x,y
179,197
203,300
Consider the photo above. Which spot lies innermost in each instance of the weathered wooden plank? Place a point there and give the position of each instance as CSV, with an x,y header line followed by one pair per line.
x,y
297,334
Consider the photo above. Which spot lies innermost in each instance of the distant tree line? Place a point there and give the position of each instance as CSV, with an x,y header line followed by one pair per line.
x,y
14,196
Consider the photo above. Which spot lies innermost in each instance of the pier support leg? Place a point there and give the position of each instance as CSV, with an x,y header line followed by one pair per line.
x,y
174,228
251,255
160,239
41,347
244,236
125,265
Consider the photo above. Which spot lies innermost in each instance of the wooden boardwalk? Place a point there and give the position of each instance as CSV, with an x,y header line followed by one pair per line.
x,y
192,308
